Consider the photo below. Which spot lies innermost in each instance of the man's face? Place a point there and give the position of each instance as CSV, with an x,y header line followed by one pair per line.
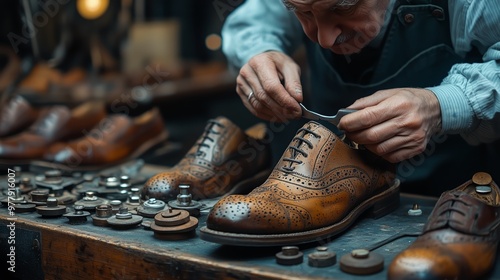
x,y
342,26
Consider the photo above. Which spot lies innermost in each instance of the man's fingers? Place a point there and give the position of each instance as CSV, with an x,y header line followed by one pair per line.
x,y
371,100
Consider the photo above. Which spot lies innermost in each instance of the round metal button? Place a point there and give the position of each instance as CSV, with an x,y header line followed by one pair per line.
x,y
362,262
322,258
409,18
482,178
438,13
289,255
483,189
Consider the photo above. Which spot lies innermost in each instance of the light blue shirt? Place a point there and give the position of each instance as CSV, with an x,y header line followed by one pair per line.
x,y
469,96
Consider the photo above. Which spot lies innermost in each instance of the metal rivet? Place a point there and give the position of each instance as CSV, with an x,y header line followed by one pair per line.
x,y
184,201
90,201
90,196
78,216
103,211
78,209
51,209
415,210
115,205
154,203
53,177
289,255
123,213
51,202
88,177
361,262
360,253
125,179
322,258
39,197
124,219
483,189
151,207
112,182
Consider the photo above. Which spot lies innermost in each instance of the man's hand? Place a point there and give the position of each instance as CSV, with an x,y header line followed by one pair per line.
x,y
395,124
274,79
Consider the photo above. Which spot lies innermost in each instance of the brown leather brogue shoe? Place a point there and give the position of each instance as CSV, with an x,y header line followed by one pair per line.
x,y
460,238
115,139
320,186
57,123
16,115
224,160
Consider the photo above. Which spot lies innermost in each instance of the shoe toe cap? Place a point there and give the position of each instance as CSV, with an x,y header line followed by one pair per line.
x,y
254,215
424,263
163,186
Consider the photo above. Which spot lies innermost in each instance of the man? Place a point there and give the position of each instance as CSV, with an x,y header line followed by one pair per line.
x,y
424,76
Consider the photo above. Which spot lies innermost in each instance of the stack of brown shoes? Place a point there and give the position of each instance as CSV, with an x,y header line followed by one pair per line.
x,y
54,124
82,138
115,139
224,160
16,115
320,186
460,239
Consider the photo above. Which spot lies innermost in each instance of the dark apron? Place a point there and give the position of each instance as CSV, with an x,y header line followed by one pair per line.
x,y
416,52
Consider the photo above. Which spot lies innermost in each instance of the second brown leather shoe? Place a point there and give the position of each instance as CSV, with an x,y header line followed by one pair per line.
x,y
115,139
460,239
56,123
320,186
16,115
224,160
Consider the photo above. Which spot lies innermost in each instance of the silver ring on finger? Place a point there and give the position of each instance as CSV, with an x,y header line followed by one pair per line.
x,y
250,95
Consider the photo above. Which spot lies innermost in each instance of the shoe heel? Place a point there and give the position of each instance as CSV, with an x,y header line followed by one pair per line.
x,y
388,204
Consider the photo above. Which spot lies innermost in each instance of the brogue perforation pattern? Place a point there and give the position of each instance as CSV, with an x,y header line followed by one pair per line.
x,y
327,179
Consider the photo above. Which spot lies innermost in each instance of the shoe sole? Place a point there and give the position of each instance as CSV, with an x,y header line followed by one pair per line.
x,y
146,146
376,206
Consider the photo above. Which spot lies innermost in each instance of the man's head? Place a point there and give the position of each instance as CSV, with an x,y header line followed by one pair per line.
x,y
342,26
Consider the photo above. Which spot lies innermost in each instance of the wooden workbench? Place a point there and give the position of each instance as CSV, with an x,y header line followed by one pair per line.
x,y
53,249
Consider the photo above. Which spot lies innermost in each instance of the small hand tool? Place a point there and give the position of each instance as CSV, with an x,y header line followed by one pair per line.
x,y
308,114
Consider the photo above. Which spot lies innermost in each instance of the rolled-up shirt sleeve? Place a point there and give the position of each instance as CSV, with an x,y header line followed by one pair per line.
x,y
470,95
258,26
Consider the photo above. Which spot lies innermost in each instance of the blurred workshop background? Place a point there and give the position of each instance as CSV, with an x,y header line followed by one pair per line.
x,y
131,54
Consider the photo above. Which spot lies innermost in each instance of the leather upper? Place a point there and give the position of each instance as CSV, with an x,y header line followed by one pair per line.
x,y
16,115
464,213
113,139
460,239
317,182
221,157
56,123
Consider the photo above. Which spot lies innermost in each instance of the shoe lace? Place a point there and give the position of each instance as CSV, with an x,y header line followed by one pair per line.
x,y
205,137
445,215
297,148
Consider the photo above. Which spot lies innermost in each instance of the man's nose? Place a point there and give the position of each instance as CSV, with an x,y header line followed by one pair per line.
x,y
327,33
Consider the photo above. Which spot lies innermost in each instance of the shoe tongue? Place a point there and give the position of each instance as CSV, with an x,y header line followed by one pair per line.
x,y
213,143
303,144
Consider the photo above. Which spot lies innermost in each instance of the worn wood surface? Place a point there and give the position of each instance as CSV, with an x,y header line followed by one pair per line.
x,y
89,252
